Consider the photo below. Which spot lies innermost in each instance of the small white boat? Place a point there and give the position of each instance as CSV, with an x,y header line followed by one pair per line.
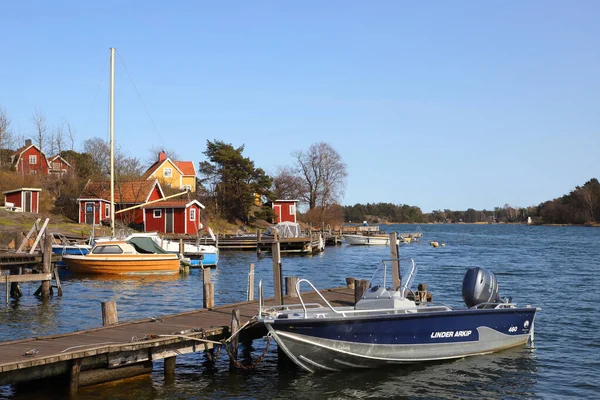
x,y
367,239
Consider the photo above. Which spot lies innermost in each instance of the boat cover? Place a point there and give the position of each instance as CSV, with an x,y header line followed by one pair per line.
x,y
146,245
285,230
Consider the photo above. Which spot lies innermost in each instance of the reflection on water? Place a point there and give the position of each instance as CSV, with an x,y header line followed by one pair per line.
x,y
555,268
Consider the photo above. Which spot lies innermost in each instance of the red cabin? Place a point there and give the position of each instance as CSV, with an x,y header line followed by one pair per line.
x,y
30,160
94,202
174,216
23,199
285,210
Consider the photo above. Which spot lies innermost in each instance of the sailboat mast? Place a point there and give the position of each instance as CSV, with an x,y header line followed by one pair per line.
x,y
112,141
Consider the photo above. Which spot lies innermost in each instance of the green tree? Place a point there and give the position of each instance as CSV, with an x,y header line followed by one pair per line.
x,y
232,180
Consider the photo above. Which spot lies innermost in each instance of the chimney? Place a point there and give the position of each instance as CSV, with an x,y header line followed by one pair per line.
x,y
162,156
28,142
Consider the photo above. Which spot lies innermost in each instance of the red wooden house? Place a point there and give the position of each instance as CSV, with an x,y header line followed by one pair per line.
x,y
94,201
59,166
173,216
30,160
285,210
23,199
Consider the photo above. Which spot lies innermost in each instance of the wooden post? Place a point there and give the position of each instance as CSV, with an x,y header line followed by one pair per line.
x,y
290,286
208,289
181,247
395,256
235,326
169,365
109,313
277,271
251,283
74,381
360,286
46,262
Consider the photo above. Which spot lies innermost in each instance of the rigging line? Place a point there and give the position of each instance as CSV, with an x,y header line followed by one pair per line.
x,y
140,97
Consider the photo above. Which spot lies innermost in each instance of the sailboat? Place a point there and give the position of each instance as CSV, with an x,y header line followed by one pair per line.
x,y
133,256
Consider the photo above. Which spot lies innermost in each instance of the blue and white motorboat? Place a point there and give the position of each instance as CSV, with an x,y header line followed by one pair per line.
x,y
387,326
65,246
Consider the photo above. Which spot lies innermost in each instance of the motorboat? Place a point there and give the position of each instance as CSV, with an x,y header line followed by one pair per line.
x,y
63,245
387,326
132,257
367,239
198,254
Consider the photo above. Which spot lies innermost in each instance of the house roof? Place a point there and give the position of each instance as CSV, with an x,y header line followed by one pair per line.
x,y
186,168
16,156
173,204
22,190
125,192
51,159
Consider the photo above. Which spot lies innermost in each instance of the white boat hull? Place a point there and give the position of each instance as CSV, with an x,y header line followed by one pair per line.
x,y
383,240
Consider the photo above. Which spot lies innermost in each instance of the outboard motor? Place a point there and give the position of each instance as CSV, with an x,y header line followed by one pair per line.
x,y
479,286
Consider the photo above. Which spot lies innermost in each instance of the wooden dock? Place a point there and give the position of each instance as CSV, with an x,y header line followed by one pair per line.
x,y
127,349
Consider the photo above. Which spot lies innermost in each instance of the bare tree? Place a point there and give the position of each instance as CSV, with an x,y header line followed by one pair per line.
x,y
324,173
59,139
155,150
70,134
41,127
6,139
288,185
127,168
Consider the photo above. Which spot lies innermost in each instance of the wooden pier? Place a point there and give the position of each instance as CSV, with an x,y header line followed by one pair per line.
x,y
128,349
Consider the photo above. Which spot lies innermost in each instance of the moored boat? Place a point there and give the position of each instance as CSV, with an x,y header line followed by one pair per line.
x,y
358,239
132,257
387,327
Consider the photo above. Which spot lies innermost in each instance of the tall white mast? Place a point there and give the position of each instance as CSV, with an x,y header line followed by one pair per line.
x,y
112,141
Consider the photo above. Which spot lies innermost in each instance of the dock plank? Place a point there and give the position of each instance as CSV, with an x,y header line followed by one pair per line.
x,y
135,341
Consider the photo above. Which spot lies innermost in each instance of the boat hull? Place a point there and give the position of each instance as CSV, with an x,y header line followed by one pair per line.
x,y
370,342
367,240
123,265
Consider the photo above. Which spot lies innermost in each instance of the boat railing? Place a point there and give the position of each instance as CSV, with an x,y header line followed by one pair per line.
x,y
407,282
494,305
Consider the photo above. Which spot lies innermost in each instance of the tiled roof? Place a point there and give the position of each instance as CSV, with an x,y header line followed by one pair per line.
x,y
125,192
186,167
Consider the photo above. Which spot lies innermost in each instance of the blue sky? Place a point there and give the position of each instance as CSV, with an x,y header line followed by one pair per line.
x,y
438,104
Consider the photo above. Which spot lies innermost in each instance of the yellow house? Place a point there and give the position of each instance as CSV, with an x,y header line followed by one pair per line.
x,y
175,174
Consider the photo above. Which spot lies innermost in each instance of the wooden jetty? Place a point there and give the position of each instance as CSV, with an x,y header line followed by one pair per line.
x,y
121,350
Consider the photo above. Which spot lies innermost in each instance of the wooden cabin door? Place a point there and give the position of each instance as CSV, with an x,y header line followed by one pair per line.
x,y
27,207
89,213
169,220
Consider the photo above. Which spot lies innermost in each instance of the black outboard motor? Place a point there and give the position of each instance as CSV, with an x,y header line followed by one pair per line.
x,y
479,286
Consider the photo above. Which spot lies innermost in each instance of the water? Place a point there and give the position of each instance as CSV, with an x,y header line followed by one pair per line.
x,y
555,268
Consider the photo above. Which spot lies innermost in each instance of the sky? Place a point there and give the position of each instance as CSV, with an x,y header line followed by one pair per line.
x,y
434,104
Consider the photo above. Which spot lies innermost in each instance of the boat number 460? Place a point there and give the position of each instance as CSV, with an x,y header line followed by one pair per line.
x,y
512,329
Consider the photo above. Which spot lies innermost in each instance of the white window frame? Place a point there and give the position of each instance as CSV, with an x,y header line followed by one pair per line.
x,y
168,172
187,187
32,159
107,211
192,214
157,213
292,209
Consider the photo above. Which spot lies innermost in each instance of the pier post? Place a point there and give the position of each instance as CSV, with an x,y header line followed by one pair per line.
x,y
209,289
169,365
235,326
277,271
290,286
109,313
46,262
74,376
360,286
395,256
251,283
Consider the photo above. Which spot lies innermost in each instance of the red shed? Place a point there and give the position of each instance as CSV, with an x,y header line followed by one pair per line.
x,y
285,210
173,216
26,199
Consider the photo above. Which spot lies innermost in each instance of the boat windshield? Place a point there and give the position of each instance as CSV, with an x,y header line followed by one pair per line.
x,y
383,274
